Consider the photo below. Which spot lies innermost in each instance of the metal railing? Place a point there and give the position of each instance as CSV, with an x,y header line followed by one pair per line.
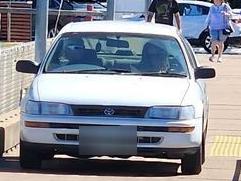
x,y
12,83
29,11
52,12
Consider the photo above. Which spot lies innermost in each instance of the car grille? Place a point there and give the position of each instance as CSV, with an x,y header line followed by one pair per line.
x,y
148,139
109,111
67,137
140,139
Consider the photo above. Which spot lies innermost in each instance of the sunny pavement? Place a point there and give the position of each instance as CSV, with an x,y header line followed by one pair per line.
x,y
224,132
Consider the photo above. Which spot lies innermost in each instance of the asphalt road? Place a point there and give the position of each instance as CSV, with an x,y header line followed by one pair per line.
x,y
223,161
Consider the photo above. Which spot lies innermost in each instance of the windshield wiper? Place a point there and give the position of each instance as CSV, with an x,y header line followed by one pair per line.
x,y
165,74
119,70
98,70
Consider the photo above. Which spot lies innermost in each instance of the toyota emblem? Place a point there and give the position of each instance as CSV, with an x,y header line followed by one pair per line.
x,y
109,111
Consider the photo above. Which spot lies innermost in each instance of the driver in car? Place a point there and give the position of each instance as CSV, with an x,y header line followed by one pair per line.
x,y
154,58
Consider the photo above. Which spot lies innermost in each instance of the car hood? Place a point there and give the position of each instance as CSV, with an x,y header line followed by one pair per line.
x,y
122,90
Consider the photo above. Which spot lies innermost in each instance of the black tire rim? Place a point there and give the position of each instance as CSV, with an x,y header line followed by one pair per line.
x,y
207,42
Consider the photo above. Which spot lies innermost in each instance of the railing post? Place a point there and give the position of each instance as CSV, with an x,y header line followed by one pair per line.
x,y
41,22
110,10
8,26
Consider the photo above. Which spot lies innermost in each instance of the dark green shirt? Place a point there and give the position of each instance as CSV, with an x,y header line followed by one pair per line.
x,y
164,10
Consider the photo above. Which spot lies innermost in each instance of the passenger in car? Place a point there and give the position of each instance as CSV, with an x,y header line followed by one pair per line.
x,y
65,52
72,49
77,53
154,57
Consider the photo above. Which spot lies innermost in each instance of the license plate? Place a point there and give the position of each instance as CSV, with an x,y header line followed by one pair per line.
x,y
107,140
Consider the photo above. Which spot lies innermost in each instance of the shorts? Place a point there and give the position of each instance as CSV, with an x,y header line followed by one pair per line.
x,y
217,35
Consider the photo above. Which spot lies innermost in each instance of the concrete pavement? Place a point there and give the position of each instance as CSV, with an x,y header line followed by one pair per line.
x,y
229,51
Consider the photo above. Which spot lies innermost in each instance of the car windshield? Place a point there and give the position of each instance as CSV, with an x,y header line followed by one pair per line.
x,y
103,53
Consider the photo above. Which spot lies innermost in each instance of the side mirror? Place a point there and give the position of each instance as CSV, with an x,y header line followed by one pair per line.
x,y
204,73
27,66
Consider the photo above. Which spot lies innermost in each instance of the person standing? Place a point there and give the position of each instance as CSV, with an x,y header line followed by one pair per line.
x,y
217,21
164,11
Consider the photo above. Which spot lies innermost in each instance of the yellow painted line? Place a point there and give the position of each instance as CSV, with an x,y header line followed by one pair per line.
x,y
229,146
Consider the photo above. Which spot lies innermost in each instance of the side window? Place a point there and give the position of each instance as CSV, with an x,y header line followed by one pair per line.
x,y
181,8
192,10
53,4
190,53
205,10
187,10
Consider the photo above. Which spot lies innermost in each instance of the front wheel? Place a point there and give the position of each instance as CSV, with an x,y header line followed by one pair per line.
x,y
205,40
29,159
192,163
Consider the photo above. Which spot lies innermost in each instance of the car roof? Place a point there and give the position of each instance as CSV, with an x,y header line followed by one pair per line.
x,y
120,27
202,3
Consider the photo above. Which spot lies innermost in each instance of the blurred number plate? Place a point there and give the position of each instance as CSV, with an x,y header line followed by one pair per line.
x,y
107,140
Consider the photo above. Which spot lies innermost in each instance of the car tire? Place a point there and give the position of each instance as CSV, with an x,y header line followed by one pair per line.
x,y
205,40
203,143
29,159
192,163
203,151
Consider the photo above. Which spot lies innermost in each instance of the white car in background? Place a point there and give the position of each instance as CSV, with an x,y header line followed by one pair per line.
x,y
194,27
116,89
193,23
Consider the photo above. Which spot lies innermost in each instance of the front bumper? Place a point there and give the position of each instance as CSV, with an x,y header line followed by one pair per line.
x,y
152,137
236,40
73,150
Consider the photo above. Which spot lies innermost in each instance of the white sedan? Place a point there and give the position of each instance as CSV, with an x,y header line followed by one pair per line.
x,y
105,89
194,27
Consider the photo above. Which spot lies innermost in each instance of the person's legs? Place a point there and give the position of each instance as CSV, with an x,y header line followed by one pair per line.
x,y
214,43
222,39
220,51
213,50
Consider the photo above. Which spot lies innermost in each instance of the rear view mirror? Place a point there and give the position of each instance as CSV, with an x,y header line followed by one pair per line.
x,y
204,73
27,66
117,43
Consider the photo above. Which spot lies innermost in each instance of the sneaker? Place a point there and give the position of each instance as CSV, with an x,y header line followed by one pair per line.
x,y
211,59
219,60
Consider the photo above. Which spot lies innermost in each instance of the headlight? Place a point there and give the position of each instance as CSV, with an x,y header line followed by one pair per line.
x,y
46,108
180,113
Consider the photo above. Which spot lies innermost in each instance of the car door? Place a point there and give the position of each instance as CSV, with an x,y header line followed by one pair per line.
x,y
193,18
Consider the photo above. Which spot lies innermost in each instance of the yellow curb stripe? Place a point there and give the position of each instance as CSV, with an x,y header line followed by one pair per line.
x,y
236,150
232,152
229,146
